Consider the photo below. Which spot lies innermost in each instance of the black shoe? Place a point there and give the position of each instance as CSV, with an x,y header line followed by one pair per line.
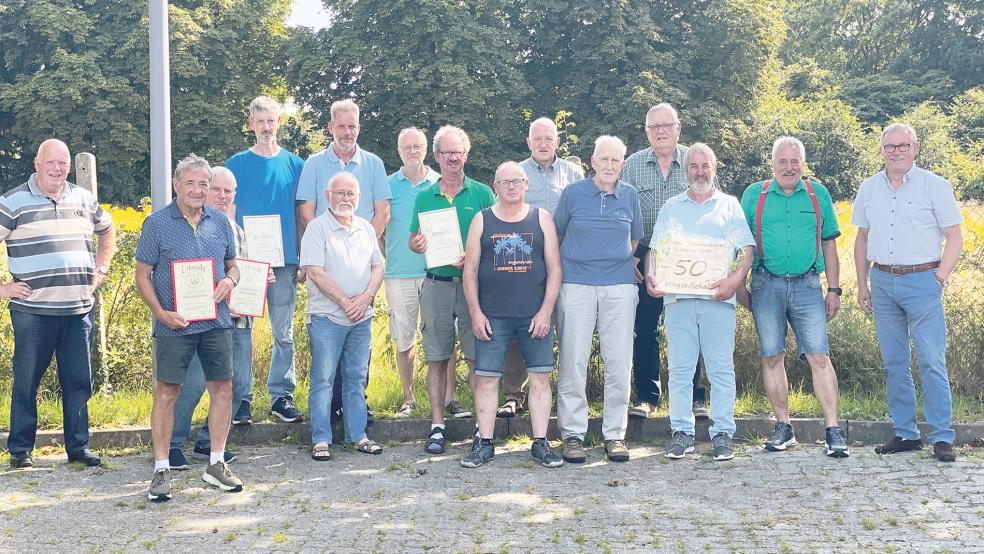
x,y
336,415
244,414
370,417
204,452
176,460
435,441
85,456
898,444
18,461
283,408
836,443
781,438
481,452
944,452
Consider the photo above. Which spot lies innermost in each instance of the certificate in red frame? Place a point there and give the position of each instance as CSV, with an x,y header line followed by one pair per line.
x,y
194,289
249,296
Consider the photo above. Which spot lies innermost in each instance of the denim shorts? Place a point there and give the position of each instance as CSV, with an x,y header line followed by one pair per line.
x,y
490,356
797,300
173,355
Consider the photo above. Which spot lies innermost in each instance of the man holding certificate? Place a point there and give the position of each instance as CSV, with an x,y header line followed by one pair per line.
x,y
186,268
442,214
691,265
341,258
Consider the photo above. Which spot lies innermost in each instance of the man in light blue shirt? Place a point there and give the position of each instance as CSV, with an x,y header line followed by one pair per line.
x,y
702,325
344,154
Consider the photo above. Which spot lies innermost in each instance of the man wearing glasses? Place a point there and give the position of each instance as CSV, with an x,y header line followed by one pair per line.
x,y
658,174
442,297
903,213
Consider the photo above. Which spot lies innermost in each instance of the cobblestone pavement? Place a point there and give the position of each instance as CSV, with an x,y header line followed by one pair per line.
x,y
403,501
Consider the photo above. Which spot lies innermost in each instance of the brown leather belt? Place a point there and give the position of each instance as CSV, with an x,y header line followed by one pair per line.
x,y
906,269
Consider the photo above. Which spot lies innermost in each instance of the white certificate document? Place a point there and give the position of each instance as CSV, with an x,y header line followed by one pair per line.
x,y
264,241
443,237
249,296
194,286
685,264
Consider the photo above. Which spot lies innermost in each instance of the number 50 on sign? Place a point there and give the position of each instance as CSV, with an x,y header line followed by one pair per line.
x,y
690,265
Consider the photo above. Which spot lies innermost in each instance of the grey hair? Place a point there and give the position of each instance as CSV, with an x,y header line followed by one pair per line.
x,y
609,139
451,129
898,127
783,141
700,148
664,106
344,175
407,130
344,106
546,122
264,104
224,171
191,162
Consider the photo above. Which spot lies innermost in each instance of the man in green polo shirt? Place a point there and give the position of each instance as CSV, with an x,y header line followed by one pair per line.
x,y
795,228
442,296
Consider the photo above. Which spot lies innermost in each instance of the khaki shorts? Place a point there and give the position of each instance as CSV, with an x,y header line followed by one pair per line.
x,y
403,301
442,309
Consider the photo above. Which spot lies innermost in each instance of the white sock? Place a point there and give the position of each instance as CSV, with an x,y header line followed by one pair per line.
x,y
438,426
161,465
215,457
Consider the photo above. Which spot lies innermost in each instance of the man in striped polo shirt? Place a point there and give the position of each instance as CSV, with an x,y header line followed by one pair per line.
x,y
48,225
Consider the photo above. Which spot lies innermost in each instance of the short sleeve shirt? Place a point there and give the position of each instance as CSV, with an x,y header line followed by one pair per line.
x,y
166,237
597,229
642,171
401,262
347,256
367,168
789,226
546,185
718,217
905,226
471,199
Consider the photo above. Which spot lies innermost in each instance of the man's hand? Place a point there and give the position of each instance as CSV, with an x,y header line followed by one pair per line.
x,y
832,303
418,243
725,288
357,305
99,282
635,267
271,276
481,327
301,276
222,289
652,289
744,298
16,289
539,325
864,298
172,320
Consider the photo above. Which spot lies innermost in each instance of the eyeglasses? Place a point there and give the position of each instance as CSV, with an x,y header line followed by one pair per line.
x,y
661,126
889,148
344,194
413,147
450,154
510,183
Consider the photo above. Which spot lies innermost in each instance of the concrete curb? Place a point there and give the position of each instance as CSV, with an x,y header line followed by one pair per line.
x,y
404,430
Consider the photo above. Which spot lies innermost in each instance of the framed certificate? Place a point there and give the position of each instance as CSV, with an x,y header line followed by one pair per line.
x,y
249,296
194,287
684,264
443,237
264,240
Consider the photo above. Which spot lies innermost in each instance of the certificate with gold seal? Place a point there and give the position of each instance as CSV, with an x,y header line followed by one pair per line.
x,y
249,296
443,237
194,286
264,239
687,264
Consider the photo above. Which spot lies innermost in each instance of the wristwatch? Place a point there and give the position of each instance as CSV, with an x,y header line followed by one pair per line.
x,y
836,290
235,282
102,270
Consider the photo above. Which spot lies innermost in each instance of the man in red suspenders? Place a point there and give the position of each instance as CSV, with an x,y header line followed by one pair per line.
x,y
795,230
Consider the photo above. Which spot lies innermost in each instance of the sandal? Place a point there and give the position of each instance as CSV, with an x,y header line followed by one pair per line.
x,y
406,410
508,409
321,452
369,446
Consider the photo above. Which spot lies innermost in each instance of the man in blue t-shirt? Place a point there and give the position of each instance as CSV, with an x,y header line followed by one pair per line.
x,y
267,177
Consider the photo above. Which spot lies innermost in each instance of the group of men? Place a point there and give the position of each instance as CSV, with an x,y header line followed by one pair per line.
x,y
545,250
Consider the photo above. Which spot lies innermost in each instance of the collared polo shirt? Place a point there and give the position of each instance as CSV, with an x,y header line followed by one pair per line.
x,y
718,217
905,226
546,185
401,262
597,230
49,246
642,171
789,226
167,236
268,186
347,256
471,199
367,168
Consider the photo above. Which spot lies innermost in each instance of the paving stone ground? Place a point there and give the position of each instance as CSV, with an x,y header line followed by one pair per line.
x,y
404,501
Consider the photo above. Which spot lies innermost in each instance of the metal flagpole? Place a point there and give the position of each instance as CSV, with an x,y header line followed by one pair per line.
x,y
160,107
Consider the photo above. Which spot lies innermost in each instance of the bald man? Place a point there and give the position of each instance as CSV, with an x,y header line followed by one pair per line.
x,y
48,224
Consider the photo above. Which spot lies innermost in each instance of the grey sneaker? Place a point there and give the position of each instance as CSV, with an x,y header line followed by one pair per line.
x,y
680,445
836,443
574,450
700,409
160,486
541,452
221,476
724,449
456,410
481,452
781,438
617,450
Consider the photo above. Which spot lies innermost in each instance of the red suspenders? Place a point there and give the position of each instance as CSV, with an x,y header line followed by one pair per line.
x,y
758,220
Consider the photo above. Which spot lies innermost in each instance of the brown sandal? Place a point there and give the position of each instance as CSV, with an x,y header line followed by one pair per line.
x,y
321,452
369,446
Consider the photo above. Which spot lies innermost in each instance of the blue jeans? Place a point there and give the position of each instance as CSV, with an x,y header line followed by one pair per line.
x,y
490,356
194,386
911,306
346,348
694,327
797,300
36,339
281,301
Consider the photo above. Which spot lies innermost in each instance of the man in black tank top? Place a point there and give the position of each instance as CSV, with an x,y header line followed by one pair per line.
x,y
512,277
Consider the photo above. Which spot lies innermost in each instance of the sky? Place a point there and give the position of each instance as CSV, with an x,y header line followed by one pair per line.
x,y
308,13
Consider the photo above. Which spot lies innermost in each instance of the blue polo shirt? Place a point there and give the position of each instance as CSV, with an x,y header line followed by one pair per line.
x,y
597,230
367,168
268,186
401,262
167,236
